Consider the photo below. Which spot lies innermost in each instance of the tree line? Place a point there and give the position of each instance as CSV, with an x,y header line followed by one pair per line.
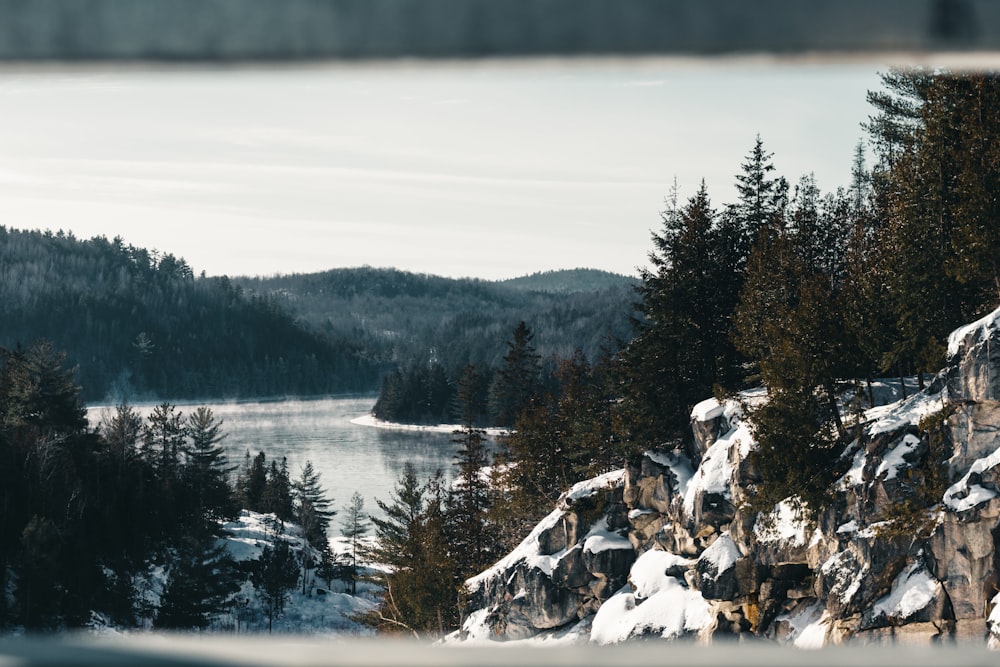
x,y
809,294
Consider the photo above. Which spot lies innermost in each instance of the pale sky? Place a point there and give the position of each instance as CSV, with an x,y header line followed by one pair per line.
x,y
489,170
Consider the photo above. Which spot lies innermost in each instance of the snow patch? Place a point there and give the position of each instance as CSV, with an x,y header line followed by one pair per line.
x,y
909,412
807,625
723,554
374,422
649,572
911,592
707,410
983,327
848,528
846,581
590,487
601,539
671,612
896,458
856,475
782,524
962,495
678,464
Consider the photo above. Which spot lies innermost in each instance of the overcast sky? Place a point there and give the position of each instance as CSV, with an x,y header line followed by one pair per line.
x,y
488,170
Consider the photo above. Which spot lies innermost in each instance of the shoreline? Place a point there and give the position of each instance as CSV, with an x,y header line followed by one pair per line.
x,y
373,422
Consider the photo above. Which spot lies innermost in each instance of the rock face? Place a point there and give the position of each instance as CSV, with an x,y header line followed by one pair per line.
x,y
907,550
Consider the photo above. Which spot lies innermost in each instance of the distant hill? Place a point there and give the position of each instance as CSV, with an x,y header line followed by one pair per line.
x,y
401,317
569,280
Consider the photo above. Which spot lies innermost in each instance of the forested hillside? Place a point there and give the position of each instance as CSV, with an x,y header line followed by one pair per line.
x,y
404,317
141,325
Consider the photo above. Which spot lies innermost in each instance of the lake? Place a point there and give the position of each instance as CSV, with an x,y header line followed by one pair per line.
x,y
350,457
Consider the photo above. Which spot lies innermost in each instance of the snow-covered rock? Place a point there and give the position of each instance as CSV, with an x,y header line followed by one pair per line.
x,y
906,549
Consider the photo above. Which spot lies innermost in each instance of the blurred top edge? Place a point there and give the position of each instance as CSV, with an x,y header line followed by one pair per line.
x,y
357,30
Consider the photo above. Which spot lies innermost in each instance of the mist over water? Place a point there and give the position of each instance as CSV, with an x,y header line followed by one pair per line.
x,y
350,457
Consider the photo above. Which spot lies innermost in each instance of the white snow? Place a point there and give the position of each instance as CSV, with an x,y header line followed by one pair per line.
x,y
912,591
589,487
714,473
782,524
708,409
984,326
993,622
895,458
962,496
678,464
808,626
848,528
893,416
855,476
600,539
374,422
723,553
670,612
649,572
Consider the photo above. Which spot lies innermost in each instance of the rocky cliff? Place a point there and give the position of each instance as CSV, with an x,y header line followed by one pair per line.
x,y
668,547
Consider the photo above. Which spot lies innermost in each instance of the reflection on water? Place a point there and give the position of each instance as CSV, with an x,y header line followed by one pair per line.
x,y
350,457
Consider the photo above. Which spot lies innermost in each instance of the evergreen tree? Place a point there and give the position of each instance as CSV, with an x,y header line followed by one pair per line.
x,y
277,496
681,348
208,470
517,382
252,482
165,442
420,585
203,579
354,527
274,575
470,539
311,506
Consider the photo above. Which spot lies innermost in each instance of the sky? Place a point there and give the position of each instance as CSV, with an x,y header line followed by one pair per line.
x,y
491,169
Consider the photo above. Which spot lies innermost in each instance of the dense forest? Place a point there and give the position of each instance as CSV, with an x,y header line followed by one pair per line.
x,y
139,325
404,318
809,294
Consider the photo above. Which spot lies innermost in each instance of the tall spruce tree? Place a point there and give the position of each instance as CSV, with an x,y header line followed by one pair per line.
x,y
681,348
207,471
518,381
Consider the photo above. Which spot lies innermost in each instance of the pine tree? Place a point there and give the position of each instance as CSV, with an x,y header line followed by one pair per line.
x,y
517,382
421,581
203,579
165,441
208,470
277,496
354,527
312,507
681,348
274,575
469,499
